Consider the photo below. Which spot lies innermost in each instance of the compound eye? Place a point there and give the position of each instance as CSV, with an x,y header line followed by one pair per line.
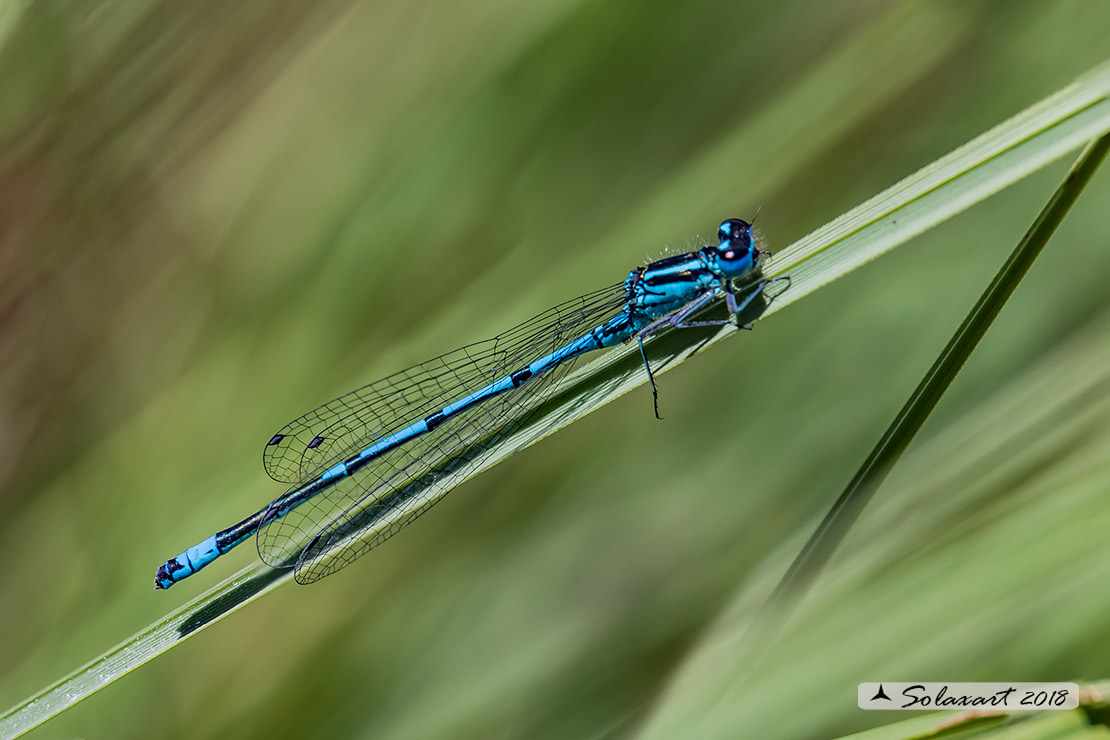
x,y
734,229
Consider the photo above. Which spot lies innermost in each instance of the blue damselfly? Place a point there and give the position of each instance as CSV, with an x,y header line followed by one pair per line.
x,y
355,463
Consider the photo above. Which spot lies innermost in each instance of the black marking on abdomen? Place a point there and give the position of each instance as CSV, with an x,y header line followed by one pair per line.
x,y
316,442
433,421
520,377
275,439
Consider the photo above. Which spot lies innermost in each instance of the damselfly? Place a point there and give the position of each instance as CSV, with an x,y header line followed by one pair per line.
x,y
360,464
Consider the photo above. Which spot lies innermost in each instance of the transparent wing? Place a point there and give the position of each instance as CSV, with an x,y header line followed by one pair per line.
x,y
336,430
382,507
335,517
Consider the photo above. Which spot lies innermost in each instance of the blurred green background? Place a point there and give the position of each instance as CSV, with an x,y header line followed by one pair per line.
x,y
216,215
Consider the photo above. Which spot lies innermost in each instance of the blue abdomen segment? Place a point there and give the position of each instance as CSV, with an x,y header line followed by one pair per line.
x,y
187,563
192,560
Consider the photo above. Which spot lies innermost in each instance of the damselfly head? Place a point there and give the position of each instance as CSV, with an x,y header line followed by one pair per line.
x,y
736,254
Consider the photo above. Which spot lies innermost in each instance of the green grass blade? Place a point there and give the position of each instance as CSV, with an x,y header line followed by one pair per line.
x,y
953,183
890,447
997,525
986,165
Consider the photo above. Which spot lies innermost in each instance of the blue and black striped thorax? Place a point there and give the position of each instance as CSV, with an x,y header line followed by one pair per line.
x,y
666,285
